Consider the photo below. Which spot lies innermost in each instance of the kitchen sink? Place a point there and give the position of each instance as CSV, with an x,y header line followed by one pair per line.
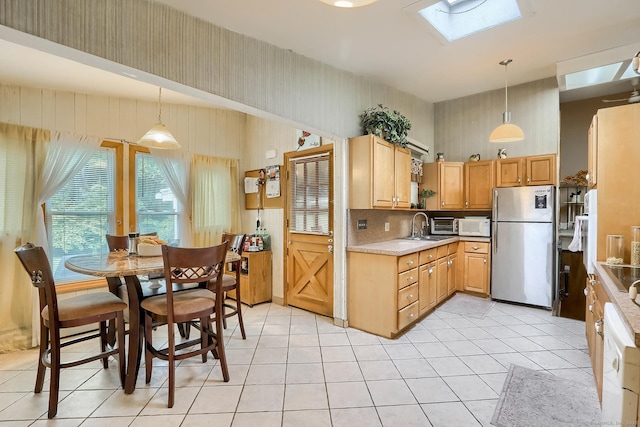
x,y
430,238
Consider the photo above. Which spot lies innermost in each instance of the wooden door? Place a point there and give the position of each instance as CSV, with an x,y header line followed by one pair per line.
x,y
509,172
541,170
383,173
592,153
309,230
442,276
451,185
402,182
478,179
475,272
427,287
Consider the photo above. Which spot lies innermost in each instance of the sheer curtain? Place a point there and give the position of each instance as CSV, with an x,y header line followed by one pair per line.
x,y
215,200
22,157
176,171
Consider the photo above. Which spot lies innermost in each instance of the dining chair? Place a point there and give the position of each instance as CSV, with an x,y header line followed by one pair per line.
x,y
232,283
196,306
57,314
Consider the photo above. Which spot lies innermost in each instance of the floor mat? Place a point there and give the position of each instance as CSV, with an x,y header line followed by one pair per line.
x,y
534,398
467,305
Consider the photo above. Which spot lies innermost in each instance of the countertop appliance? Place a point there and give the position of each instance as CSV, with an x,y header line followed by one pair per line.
x,y
444,225
524,248
621,372
474,226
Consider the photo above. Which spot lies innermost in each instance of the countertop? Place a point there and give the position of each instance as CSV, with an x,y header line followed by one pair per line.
x,y
399,247
630,310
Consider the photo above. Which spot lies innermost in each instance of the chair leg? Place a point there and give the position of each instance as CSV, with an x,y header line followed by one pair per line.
x,y
224,317
103,343
148,342
121,356
172,365
239,310
44,345
204,337
220,351
54,382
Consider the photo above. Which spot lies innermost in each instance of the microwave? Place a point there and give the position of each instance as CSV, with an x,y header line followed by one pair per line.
x,y
474,227
444,225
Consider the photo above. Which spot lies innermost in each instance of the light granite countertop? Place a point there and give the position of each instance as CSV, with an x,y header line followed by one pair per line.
x,y
630,310
399,247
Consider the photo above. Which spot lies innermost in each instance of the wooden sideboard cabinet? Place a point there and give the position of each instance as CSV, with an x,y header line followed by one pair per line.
x,y
255,278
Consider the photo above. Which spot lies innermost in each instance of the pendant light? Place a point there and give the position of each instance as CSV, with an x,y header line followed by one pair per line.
x,y
159,136
506,132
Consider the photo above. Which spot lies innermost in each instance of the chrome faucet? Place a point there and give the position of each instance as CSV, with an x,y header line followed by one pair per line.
x,y
413,223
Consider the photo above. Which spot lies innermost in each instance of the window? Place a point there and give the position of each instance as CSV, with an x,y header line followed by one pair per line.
x,y
156,207
79,215
310,190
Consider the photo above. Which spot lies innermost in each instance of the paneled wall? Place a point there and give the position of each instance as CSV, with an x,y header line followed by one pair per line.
x,y
463,125
216,60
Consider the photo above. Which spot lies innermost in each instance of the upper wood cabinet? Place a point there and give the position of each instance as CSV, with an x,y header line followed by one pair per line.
x,y
592,153
478,184
446,179
380,174
529,170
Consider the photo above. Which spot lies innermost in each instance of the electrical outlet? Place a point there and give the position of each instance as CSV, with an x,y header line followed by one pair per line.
x,y
362,224
386,226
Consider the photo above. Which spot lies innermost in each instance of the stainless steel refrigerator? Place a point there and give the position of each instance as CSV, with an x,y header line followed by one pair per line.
x,y
523,245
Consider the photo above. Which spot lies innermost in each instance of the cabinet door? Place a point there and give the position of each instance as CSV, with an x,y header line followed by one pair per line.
x,y
509,172
478,183
451,185
383,173
442,275
427,284
476,272
592,153
452,273
402,180
541,170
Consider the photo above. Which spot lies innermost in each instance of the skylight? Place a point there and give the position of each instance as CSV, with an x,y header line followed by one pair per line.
x,y
594,76
455,19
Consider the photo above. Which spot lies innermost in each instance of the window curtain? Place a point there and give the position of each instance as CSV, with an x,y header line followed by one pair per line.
x,y
22,157
215,199
176,171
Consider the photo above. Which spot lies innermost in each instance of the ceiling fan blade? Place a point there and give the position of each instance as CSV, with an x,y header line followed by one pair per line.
x,y
615,100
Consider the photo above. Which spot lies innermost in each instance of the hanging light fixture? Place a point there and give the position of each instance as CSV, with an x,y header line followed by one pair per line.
x,y
348,3
159,136
506,132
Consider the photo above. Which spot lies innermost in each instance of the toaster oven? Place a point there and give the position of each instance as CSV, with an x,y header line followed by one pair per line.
x,y
444,225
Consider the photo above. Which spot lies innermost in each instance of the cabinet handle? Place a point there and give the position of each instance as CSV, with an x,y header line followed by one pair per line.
x,y
442,203
410,315
430,271
591,308
519,180
466,204
598,326
586,292
409,262
475,248
410,296
528,179
409,279
485,260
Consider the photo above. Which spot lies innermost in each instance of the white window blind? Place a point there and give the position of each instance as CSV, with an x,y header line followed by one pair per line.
x,y
156,206
310,181
81,213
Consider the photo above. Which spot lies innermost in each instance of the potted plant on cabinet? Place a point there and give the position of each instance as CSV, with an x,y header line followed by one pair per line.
x,y
388,124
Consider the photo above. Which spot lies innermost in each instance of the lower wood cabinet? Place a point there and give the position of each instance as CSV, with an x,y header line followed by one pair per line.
x,y
476,267
255,278
596,297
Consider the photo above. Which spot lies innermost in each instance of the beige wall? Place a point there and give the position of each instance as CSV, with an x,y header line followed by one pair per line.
x,y
463,125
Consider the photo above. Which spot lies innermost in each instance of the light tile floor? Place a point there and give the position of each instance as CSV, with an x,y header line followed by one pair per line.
x,y
298,369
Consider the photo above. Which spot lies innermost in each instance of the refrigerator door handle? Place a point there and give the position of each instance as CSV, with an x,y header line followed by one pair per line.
x,y
494,233
495,205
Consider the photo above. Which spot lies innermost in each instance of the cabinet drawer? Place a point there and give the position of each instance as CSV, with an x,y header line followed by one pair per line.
x,y
476,248
427,256
407,315
407,296
407,262
441,251
407,278
452,248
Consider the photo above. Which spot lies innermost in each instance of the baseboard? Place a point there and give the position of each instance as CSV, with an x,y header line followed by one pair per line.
x,y
341,322
277,300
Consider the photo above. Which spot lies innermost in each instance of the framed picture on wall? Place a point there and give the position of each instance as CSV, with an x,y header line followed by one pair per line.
x,y
307,140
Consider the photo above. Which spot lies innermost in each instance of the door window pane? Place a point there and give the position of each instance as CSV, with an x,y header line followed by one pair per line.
x,y
309,196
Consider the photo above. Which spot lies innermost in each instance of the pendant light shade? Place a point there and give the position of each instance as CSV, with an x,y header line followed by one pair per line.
x,y
159,136
348,3
506,132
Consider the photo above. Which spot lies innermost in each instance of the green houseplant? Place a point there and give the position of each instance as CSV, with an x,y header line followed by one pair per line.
x,y
388,124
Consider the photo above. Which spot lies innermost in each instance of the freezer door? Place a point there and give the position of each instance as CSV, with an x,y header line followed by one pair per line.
x,y
522,266
528,204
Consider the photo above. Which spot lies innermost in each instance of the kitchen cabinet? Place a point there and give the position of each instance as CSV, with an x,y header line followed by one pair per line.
x,y
383,292
596,297
427,281
476,271
478,184
446,271
380,174
592,153
529,170
446,179
255,278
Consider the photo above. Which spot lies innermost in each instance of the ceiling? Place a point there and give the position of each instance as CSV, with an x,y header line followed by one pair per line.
x,y
385,41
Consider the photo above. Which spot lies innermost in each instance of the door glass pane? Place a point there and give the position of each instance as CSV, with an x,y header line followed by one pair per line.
x,y
309,195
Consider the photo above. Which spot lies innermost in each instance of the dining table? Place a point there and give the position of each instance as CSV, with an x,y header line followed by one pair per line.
x,y
118,265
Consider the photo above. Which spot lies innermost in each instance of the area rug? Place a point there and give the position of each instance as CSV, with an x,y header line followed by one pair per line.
x,y
534,398
467,305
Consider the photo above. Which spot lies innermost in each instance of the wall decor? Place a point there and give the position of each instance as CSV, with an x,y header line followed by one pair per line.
x,y
307,140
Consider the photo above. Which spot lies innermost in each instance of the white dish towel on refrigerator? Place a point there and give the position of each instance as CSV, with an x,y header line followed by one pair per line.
x,y
576,243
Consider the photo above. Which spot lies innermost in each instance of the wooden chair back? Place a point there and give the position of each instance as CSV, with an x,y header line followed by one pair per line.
x,y
236,241
35,262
